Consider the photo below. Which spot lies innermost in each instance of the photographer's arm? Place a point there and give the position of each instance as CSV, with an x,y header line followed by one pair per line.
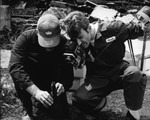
x,y
67,76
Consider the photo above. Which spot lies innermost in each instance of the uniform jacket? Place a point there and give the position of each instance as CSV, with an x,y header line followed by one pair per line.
x,y
110,52
32,64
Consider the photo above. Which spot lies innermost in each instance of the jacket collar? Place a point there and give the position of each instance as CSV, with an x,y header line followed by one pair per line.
x,y
102,27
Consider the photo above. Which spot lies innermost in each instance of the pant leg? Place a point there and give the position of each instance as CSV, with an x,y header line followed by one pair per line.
x,y
25,98
59,110
90,93
134,83
123,76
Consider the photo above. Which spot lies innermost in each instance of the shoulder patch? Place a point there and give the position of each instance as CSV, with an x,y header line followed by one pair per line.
x,y
110,39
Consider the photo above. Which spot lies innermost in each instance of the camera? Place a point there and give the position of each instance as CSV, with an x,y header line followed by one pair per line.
x,y
75,54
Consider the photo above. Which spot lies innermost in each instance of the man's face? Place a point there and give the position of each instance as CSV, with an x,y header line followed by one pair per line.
x,y
84,37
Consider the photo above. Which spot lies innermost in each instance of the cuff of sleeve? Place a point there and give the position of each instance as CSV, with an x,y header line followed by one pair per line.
x,y
26,85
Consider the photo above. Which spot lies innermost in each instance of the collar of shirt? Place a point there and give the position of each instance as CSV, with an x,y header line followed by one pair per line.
x,y
94,27
102,27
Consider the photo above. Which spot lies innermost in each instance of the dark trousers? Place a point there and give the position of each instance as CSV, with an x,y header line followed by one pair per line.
x,y
34,108
101,82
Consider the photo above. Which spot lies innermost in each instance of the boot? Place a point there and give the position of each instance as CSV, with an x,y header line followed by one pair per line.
x,y
96,113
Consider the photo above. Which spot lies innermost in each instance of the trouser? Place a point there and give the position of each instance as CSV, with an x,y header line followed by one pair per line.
x,y
101,82
35,109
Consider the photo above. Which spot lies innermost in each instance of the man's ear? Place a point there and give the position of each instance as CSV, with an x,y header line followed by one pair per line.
x,y
89,29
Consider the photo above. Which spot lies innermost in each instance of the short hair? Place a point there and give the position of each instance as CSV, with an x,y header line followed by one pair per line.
x,y
75,21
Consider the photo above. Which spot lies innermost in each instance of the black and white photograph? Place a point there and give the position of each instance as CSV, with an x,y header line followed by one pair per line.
x,y
74,59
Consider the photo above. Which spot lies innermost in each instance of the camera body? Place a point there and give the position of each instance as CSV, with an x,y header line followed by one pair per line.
x,y
75,54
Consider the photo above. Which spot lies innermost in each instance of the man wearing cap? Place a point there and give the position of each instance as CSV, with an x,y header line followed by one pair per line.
x,y
36,62
107,71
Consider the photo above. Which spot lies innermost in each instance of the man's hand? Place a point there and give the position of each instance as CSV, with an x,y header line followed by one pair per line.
x,y
60,88
44,97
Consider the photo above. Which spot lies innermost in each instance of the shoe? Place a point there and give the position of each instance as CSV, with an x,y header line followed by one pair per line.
x,y
95,114
101,105
130,117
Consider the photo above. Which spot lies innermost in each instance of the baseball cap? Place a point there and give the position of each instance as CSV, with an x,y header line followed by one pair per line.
x,y
48,30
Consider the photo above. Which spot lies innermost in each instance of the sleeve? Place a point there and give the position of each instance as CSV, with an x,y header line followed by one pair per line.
x,y
67,75
135,30
17,62
126,31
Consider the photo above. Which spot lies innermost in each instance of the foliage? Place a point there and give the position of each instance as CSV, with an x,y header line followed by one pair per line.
x,y
7,94
24,14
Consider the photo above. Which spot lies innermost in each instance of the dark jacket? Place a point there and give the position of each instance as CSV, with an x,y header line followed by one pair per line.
x,y
111,52
32,64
